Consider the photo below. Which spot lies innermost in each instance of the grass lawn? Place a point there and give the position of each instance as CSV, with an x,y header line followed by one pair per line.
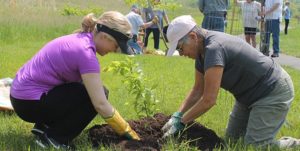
x,y
25,32
174,76
289,44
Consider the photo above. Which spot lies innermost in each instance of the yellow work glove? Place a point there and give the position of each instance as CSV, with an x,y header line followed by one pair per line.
x,y
155,20
121,127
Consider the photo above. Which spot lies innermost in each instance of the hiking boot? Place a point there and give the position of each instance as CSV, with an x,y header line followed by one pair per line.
x,y
266,53
39,129
45,142
274,55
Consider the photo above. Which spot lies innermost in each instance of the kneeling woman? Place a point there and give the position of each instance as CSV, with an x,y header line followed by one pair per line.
x,y
60,89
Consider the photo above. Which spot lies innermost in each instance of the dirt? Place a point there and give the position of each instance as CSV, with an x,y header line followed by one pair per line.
x,y
149,130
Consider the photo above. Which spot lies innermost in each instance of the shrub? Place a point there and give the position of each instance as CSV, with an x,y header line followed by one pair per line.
x,y
145,101
76,11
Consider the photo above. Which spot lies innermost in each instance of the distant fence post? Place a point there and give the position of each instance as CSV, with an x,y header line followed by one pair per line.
x,y
232,18
40,3
12,4
54,5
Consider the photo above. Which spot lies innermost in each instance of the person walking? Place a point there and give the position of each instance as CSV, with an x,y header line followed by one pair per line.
x,y
59,89
250,10
263,90
273,14
287,16
214,14
148,15
137,23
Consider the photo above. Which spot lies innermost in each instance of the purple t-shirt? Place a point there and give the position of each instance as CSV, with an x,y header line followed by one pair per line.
x,y
62,60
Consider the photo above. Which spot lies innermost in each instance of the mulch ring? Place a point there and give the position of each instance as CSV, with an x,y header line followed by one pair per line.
x,y
149,130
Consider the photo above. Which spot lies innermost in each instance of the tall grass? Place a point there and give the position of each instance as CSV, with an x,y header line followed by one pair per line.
x,y
289,44
24,30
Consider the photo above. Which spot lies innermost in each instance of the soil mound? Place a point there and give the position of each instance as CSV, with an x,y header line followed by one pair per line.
x,y
149,130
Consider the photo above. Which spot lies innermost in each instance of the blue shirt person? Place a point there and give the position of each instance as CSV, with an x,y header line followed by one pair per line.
x,y
287,16
214,14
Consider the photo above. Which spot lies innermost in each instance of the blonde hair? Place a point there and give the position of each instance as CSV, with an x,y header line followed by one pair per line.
x,y
112,19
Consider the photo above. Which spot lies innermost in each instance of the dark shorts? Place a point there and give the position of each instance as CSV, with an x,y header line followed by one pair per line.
x,y
250,31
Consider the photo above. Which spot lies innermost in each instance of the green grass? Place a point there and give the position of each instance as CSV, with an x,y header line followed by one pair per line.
x,y
25,32
174,76
289,44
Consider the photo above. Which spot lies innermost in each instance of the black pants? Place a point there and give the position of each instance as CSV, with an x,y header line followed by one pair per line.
x,y
287,21
66,110
156,36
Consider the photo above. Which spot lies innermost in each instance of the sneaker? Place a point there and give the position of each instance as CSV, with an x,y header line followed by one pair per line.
x,y
274,55
45,142
39,129
288,142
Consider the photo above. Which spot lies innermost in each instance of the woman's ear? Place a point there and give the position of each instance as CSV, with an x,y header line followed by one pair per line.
x,y
193,36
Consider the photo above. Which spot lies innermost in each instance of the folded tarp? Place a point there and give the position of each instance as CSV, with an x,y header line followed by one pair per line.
x,y
4,94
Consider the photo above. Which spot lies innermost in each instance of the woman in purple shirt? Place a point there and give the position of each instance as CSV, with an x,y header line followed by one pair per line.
x,y
60,89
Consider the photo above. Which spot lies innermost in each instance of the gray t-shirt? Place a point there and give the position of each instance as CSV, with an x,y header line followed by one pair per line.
x,y
149,14
248,74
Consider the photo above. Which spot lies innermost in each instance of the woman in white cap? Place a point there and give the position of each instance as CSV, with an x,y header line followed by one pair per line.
x,y
262,89
60,89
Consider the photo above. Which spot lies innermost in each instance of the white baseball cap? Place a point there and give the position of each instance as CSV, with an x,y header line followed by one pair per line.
x,y
178,28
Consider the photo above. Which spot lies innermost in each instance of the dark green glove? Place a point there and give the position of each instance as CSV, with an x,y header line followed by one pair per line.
x,y
174,125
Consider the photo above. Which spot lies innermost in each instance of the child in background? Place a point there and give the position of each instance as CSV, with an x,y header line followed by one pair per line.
x,y
250,9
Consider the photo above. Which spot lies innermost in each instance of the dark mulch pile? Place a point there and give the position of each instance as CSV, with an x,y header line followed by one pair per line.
x,y
149,130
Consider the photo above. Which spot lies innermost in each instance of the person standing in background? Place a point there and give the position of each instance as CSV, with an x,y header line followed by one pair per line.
x,y
136,22
273,14
250,10
148,14
214,12
287,16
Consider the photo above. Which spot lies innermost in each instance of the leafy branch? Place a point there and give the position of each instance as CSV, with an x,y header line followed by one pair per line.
x,y
145,101
163,5
77,11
